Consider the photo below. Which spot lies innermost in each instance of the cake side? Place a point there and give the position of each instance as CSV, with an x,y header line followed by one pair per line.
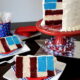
x,y
52,12
35,66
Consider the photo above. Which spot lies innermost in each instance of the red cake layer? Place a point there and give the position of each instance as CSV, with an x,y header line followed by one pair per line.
x,y
53,12
56,22
19,66
33,69
59,0
6,48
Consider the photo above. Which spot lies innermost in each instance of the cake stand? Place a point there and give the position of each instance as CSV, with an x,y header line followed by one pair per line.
x,y
72,69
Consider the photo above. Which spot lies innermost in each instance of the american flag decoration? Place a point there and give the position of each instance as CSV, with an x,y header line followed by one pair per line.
x,y
5,29
10,43
52,12
34,67
5,24
65,49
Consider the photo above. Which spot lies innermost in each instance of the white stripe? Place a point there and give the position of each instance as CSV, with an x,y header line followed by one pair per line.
x,y
41,74
26,66
53,17
59,5
1,48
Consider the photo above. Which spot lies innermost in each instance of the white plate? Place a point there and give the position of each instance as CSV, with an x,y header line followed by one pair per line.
x,y
10,75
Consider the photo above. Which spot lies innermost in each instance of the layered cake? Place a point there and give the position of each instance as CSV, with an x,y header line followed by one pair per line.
x,y
33,67
66,12
8,44
52,12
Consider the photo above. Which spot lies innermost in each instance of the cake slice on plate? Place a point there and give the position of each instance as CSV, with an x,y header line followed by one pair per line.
x,y
9,44
34,67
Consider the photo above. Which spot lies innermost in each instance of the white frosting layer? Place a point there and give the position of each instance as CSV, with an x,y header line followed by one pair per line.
x,y
59,5
53,17
71,15
1,48
26,67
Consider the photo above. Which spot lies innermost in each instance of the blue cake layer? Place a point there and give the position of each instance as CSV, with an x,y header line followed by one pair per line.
x,y
50,6
42,64
46,63
50,1
12,40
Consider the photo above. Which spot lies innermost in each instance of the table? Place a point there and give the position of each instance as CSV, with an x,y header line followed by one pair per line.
x,y
31,43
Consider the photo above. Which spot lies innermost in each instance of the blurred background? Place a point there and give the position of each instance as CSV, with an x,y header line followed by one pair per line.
x,y
22,10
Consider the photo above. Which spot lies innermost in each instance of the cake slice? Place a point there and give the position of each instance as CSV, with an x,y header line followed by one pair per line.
x,y
9,44
33,67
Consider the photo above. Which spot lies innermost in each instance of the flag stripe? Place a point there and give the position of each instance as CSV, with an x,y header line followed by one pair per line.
x,y
53,1
19,45
42,64
50,63
3,41
19,67
1,48
26,67
53,12
59,0
33,66
50,73
55,22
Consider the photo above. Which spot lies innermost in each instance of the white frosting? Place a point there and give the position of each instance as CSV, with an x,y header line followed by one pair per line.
x,y
26,67
53,17
1,48
59,5
71,15
12,47
43,23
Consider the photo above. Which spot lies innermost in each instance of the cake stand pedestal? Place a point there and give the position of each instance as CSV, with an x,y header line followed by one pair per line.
x,y
72,69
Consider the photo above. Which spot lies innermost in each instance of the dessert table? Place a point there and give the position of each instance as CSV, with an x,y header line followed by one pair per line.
x,y
31,42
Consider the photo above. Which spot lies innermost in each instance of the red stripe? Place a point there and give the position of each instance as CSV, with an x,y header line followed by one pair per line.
x,y
19,45
19,67
53,12
33,68
3,41
56,22
50,73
